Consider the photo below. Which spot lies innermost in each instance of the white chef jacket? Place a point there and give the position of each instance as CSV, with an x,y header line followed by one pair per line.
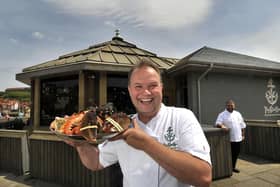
x,y
234,121
177,128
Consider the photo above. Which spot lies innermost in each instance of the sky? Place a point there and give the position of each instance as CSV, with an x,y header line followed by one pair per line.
x,y
36,31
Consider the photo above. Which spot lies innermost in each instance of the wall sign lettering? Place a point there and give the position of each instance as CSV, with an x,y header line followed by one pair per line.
x,y
271,96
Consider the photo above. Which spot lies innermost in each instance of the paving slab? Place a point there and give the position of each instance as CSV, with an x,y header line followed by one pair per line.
x,y
10,180
269,177
254,172
254,183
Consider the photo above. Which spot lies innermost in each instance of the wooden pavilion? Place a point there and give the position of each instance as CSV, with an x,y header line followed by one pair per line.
x,y
96,75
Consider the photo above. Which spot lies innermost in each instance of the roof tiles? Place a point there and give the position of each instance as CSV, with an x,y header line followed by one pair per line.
x,y
114,52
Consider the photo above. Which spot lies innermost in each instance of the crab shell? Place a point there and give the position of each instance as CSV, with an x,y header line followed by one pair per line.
x,y
89,125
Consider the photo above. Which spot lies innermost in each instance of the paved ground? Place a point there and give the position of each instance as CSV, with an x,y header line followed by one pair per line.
x,y
10,180
254,172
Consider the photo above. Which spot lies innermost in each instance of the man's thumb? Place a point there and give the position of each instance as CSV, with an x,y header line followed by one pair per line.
x,y
134,123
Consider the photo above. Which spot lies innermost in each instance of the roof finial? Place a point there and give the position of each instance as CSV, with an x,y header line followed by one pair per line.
x,y
117,35
117,31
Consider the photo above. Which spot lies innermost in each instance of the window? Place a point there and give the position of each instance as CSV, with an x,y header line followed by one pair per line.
x,y
117,93
59,97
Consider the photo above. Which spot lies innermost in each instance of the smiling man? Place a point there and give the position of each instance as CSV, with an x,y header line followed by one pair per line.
x,y
166,147
145,89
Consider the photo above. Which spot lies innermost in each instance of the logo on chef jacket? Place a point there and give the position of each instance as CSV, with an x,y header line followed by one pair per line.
x,y
169,137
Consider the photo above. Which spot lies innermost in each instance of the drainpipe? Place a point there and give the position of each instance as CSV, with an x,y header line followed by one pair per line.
x,y
198,89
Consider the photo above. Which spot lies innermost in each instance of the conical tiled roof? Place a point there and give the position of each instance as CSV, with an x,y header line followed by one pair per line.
x,y
116,52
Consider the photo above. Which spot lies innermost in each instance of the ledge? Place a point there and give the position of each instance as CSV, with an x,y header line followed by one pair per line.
x,y
263,123
12,133
43,135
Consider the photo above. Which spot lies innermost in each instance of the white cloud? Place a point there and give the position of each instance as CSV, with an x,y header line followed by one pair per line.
x,y
262,43
266,42
151,13
110,23
174,14
13,40
38,35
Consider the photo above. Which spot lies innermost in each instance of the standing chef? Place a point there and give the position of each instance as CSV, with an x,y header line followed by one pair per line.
x,y
166,147
232,121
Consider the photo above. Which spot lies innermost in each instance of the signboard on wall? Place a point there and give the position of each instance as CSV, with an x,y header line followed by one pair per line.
x,y
271,95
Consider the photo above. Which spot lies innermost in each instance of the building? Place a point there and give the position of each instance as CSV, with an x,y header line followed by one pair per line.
x,y
208,77
201,81
76,81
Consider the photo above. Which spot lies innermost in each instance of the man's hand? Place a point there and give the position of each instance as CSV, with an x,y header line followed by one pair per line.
x,y
134,137
223,127
243,134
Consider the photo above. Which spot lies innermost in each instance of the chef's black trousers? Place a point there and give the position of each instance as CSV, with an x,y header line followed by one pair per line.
x,y
235,150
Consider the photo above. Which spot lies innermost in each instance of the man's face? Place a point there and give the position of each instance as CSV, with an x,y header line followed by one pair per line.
x,y
230,106
145,91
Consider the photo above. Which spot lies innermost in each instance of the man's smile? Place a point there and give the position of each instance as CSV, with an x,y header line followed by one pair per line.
x,y
146,100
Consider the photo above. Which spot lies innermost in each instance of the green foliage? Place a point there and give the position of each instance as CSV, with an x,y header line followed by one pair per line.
x,y
21,95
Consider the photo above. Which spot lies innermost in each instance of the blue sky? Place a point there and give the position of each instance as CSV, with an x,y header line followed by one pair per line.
x,y
35,31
